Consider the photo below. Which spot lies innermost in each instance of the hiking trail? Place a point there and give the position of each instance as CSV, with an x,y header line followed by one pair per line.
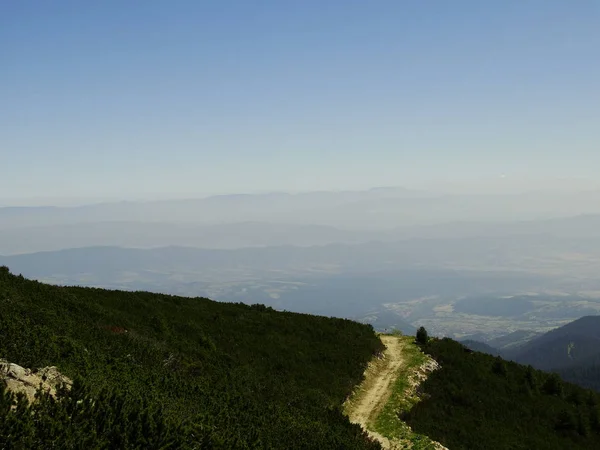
x,y
375,391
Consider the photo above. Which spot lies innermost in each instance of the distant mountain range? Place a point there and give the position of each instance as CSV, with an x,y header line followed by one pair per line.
x,y
374,209
303,208
306,219
578,234
369,257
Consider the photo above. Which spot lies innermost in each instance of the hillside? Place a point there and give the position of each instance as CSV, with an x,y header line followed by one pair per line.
x,y
572,351
477,401
513,340
585,373
566,346
158,371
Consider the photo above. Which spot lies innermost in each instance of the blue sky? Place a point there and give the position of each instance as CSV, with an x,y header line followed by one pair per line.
x,y
123,98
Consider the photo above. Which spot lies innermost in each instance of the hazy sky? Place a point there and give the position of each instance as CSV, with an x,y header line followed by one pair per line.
x,y
119,98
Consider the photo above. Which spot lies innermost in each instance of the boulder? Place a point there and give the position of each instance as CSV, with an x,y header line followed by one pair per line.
x,y
16,372
19,379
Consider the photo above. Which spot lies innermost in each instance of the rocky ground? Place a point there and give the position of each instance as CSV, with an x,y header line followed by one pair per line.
x,y
19,379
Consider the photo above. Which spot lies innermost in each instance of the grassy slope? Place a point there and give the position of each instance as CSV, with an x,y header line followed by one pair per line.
x,y
239,376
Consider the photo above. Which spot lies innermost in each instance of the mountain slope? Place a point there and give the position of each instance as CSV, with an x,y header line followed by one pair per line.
x,y
572,351
513,340
563,347
477,401
481,347
24,239
157,371
585,373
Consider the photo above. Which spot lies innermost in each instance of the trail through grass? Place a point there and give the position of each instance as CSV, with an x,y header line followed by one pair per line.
x,y
389,389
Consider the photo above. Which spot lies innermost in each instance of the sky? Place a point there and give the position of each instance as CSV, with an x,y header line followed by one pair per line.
x,y
116,99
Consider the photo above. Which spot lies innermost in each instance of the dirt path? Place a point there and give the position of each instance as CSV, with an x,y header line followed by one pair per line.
x,y
376,389
367,404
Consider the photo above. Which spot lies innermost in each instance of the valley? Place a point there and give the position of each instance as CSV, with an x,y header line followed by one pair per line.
x,y
372,283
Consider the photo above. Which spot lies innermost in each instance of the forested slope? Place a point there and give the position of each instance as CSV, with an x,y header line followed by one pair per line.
x,y
585,373
157,371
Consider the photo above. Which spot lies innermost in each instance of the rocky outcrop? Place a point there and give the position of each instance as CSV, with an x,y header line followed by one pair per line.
x,y
19,379
420,374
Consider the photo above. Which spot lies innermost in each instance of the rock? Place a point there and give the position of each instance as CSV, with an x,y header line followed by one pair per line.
x,y
16,372
19,379
17,386
53,377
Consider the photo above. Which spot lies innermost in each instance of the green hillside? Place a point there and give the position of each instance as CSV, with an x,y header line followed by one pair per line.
x,y
586,373
158,371
478,401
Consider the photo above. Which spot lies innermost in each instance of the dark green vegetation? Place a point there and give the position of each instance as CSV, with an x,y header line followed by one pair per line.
x,y
586,373
477,401
157,371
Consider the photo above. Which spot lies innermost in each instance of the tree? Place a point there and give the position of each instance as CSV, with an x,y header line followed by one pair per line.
x,y
531,379
553,385
565,421
499,368
583,425
595,420
422,336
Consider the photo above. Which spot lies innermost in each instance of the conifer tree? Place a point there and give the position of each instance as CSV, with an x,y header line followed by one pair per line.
x,y
422,336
